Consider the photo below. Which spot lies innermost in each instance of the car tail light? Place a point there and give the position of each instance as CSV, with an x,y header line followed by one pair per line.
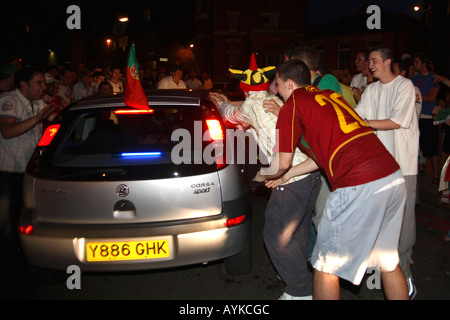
x,y
48,135
234,221
134,111
215,129
26,230
216,133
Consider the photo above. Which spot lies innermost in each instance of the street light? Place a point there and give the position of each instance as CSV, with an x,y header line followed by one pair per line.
x,y
417,8
123,19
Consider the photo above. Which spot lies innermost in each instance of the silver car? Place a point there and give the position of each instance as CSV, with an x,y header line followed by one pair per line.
x,y
112,188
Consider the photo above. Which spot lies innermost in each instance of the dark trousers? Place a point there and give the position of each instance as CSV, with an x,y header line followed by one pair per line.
x,y
286,232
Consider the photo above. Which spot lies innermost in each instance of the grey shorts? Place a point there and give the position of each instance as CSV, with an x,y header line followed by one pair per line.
x,y
360,228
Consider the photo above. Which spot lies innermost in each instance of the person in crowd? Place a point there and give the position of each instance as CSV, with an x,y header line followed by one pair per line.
x,y
85,87
389,107
50,95
429,133
361,224
193,82
149,78
174,80
66,87
105,88
207,83
98,77
7,71
361,80
115,80
288,213
21,115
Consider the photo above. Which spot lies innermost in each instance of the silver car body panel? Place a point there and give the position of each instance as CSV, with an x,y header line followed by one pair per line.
x,y
78,202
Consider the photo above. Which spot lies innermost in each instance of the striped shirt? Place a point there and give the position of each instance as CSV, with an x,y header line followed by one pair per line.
x,y
16,152
252,114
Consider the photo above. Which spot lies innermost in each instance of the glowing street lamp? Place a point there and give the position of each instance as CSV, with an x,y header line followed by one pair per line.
x,y
123,19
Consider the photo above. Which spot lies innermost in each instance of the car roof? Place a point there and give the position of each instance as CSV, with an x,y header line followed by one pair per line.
x,y
185,97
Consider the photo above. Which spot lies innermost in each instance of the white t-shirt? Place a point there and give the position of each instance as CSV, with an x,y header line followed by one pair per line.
x,y
16,152
168,83
117,86
395,101
193,84
359,81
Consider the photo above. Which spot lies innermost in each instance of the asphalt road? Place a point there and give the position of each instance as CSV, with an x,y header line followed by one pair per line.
x,y
431,270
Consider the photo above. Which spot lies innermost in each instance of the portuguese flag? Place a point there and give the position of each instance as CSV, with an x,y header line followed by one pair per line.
x,y
134,94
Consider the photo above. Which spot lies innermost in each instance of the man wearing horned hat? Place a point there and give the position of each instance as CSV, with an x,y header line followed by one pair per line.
x,y
288,213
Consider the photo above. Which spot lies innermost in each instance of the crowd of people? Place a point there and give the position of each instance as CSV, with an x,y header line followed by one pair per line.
x,y
377,130
378,117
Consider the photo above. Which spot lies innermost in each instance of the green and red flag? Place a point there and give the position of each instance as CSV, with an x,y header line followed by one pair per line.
x,y
134,93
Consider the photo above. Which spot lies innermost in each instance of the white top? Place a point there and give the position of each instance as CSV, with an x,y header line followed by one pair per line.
x,y
117,87
193,84
80,91
395,101
16,152
359,81
168,83
64,92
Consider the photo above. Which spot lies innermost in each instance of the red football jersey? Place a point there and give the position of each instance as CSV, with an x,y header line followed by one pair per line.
x,y
324,125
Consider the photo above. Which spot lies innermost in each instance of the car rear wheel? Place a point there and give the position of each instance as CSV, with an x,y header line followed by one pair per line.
x,y
241,263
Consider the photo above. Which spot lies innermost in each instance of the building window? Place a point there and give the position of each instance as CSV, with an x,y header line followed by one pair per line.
x,y
344,55
270,23
371,44
233,22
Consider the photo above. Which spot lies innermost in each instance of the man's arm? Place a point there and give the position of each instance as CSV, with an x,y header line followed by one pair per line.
x,y
231,112
303,168
10,129
385,124
281,168
431,95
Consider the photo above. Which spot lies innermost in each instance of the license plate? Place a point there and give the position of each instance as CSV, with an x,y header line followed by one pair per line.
x,y
127,250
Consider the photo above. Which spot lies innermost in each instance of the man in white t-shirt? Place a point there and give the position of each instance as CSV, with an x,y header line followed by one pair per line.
x,y
115,81
388,106
174,80
361,80
193,82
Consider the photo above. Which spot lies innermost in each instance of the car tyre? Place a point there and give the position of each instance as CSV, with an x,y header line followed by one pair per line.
x,y
241,263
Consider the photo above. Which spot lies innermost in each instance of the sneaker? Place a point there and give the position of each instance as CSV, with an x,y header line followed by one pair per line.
x,y
412,291
287,296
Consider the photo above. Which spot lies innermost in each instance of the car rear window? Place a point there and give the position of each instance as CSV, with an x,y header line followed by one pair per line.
x,y
115,143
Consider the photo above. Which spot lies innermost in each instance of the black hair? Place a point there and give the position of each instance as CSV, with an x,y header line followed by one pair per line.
x,y
296,70
385,53
308,55
26,74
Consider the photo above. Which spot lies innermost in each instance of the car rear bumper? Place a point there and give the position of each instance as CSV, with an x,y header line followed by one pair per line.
x,y
55,246
58,253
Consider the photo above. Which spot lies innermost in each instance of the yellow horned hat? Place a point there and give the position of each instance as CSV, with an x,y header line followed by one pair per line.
x,y
254,78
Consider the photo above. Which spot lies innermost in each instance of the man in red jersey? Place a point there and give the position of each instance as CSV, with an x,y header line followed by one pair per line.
x,y
361,224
